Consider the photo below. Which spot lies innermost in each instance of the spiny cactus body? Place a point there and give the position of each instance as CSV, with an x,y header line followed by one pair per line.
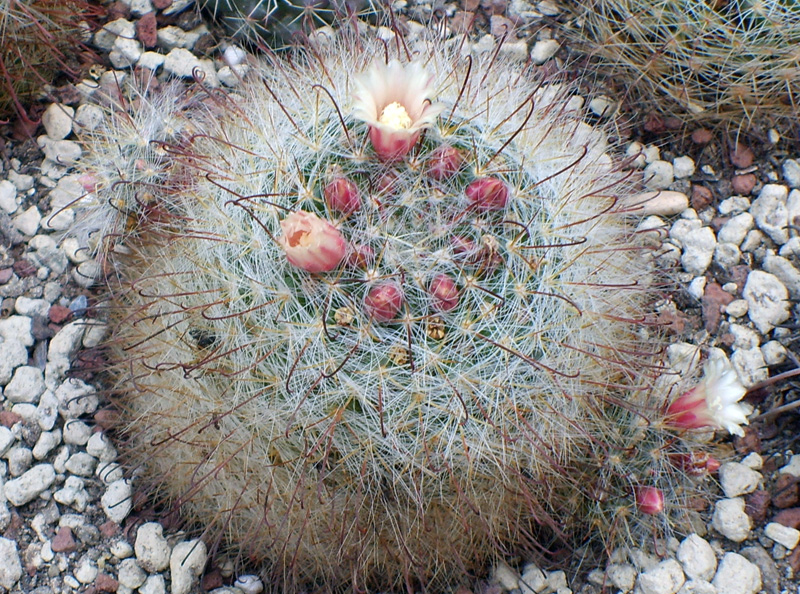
x,y
278,21
373,367
38,38
717,60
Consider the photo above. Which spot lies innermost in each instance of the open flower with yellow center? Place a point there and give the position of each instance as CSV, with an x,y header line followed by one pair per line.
x,y
714,402
395,101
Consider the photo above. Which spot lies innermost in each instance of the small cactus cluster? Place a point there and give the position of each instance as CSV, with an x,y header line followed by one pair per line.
x,y
381,315
38,39
279,21
725,61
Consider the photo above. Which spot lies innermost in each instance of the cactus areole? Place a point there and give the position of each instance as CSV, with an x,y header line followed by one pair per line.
x,y
382,383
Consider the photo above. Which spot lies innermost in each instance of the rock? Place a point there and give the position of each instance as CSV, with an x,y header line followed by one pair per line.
x,y
793,467
63,542
750,366
697,558
736,575
767,300
108,34
125,53
783,535
86,571
130,574
786,491
730,519
87,118
743,184
57,120
791,172
81,464
186,563
155,583
665,578
543,50
8,197
697,587
181,62
658,175
737,479
17,328
147,30
76,398
27,222
683,167
770,212
116,503
662,203
152,549
736,229
727,255
770,578
757,505
27,487
788,517
66,342
151,60
26,385
252,584
622,576
73,494
140,7
507,578
10,565
61,152
742,156
7,439
785,271
603,106
698,250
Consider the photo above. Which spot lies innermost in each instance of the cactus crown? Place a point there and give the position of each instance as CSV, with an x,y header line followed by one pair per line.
x,y
468,375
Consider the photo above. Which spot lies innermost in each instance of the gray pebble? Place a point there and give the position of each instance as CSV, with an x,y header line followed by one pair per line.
x,y
767,300
791,172
10,565
152,549
27,487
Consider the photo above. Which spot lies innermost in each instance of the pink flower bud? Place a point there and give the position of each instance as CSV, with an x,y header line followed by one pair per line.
x,y
444,292
463,246
342,195
387,182
89,182
649,500
311,243
384,301
487,193
695,463
445,162
362,256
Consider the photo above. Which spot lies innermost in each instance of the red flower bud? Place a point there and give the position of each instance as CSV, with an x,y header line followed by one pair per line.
x,y
384,301
342,195
445,162
362,256
649,500
487,193
444,292
311,243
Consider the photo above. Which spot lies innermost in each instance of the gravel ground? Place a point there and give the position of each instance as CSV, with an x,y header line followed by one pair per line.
x,y
729,214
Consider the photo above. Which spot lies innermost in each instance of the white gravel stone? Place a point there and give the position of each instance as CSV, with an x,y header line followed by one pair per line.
x,y
750,366
152,549
793,467
736,229
27,487
73,494
697,287
697,587
86,571
770,212
791,172
531,581
57,120
621,576
252,584
109,472
33,308
785,271
543,50
26,385
121,549
61,152
186,563
727,255
233,55
154,584
45,444
116,503
737,479
730,519
793,206
105,37
14,355
76,398
86,274
151,60
665,578
658,175
27,222
734,205
171,37
698,250
76,432
100,447
87,117
603,106
81,464
47,411
736,575
181,62
662,203
790,248
130,574
10,565
736,308
8,197
125,53
754,461
783,535
230,76
140,7
767,300
697,558
22,182
19,460
507,578
7,440
65,343
683,167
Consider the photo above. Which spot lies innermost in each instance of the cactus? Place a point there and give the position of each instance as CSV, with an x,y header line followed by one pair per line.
x,y
724,61
279,21
38,39
375,325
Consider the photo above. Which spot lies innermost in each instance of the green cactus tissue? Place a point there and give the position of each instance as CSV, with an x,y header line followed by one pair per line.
x,y
381,316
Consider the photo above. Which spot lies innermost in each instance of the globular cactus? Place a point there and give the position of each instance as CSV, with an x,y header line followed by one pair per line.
x,y
381,315
279,21
729,61
38,39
